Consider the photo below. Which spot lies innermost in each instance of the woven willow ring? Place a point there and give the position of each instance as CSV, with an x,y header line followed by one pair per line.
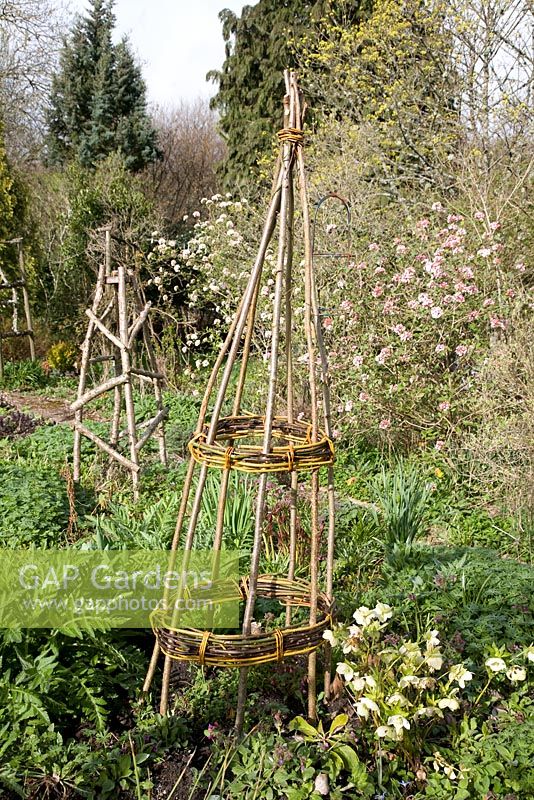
x,y
225,650
298,452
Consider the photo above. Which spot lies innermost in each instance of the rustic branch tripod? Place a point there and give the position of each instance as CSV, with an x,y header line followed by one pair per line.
x,y
120,317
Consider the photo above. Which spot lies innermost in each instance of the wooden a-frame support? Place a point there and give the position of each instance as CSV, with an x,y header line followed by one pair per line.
x,y
120,327
13,286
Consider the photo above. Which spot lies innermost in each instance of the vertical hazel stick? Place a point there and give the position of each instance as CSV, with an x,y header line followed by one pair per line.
x,y
286,175
290,123
327,411
26,301
117,399
308,325
84,366
125,362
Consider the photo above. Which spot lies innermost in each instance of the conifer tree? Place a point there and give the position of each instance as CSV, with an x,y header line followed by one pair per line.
x,y
98,99
259,46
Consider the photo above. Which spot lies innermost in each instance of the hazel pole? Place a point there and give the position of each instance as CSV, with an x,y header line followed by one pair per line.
x,y
286,175
327,411
308,325
290,388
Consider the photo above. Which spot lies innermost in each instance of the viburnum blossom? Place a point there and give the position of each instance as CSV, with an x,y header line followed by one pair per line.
x,y
405,306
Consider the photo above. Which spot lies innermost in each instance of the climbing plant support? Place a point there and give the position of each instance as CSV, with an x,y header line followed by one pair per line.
x,y
273,443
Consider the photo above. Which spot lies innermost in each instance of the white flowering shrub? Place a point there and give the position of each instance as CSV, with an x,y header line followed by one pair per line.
x,y
201,283
404,692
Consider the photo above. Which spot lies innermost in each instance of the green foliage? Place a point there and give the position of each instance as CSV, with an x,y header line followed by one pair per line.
x,y
390,78
24,374
34,508
49,446
121,528
475,597
495,761
98,102
55,729
269,764
402,506
62,356
7,200
238,513
109,194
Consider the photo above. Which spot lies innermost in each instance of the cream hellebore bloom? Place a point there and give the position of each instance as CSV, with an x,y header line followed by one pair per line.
x,y
412,651
400,723
460,674
434,660
449,702
345,670
397,699
495,664
350,645
408,680
363,616
383,612
382,731
357,684
330,638
515,674
530,653
428,711
432,639
364,706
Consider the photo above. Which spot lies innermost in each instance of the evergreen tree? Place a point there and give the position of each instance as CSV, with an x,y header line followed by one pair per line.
x,y
7,200
98,99
259,46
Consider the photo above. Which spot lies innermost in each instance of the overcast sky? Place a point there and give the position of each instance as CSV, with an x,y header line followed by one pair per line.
x,y
176,41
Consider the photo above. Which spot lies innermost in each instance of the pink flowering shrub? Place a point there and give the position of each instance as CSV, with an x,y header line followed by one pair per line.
x,y
410,325
408,321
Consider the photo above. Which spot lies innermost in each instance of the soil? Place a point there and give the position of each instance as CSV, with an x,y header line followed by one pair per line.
x,y
43,408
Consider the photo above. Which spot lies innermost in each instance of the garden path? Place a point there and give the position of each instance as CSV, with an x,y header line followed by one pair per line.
x,y
46,408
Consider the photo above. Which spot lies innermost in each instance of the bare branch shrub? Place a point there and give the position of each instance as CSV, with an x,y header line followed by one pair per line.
x,y
191,150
